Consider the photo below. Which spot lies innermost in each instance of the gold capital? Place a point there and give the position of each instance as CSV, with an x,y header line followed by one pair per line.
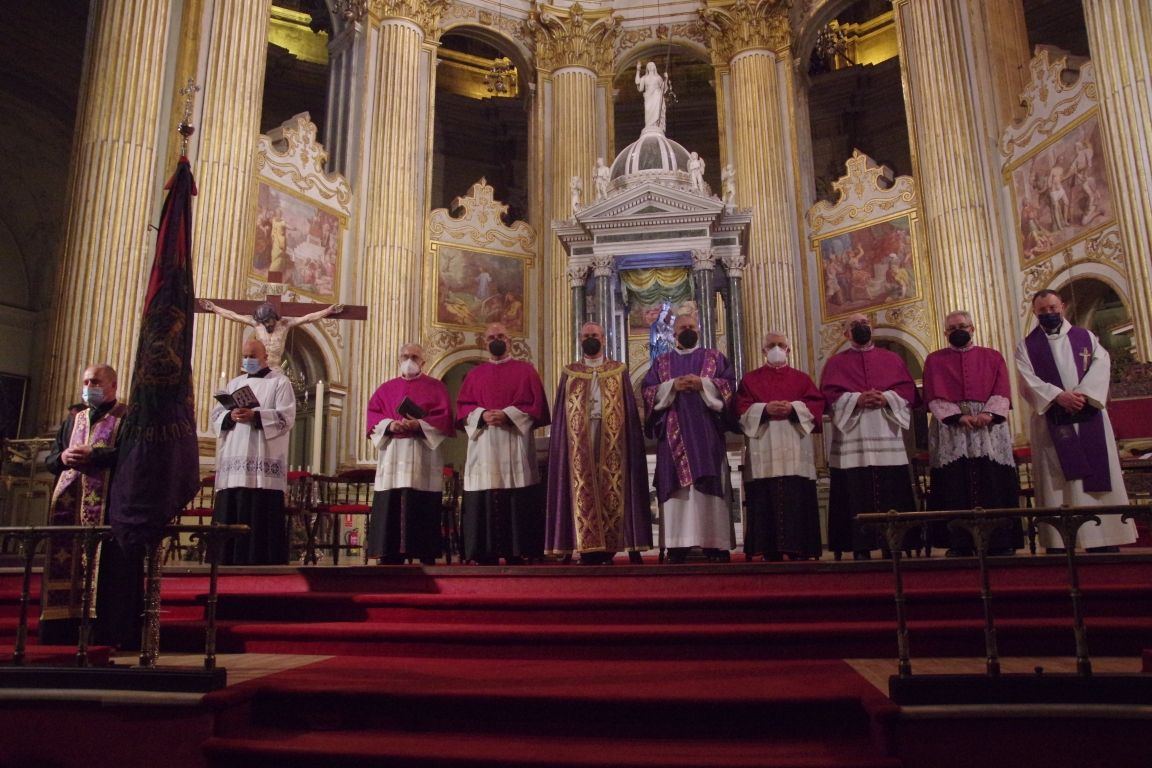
x,y
573,37
742,25
426,13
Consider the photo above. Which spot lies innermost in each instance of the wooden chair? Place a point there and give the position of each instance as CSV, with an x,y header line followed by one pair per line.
x,y
345,493
450,516
1023,457
196,512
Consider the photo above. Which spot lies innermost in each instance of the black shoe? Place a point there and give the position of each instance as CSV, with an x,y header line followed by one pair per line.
x,y
635,558
717,555
1107,550
677,556
1055,551
861,554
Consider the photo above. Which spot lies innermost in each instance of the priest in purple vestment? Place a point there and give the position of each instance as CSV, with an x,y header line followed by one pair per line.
x,y
84,459
870,396
597,470
968,393
501,404
687,393
778,408
408,418
1064,373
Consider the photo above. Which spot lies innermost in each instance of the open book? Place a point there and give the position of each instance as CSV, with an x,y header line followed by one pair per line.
x,y
243,397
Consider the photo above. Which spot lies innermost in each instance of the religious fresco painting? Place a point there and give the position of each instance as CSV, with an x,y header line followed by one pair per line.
x,y
648,290
298,239
1060,191
475,288
868,268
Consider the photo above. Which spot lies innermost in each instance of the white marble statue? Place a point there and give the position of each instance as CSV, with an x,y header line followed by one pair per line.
x,y
576,185
603,174
653,86
696,173
728,177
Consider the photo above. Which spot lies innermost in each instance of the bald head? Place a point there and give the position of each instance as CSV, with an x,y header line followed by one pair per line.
x,y
103,377
497,341
592,340
254,349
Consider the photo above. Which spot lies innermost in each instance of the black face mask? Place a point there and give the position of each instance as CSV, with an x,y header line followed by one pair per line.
x,y
688,338
959,338
497,348
591,347
861,334
1050,321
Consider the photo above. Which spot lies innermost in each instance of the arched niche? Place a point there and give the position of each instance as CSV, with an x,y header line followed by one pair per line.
x,y
481,124
1095,304
455,450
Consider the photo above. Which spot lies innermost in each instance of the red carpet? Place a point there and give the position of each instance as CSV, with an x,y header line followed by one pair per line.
x,y
424,712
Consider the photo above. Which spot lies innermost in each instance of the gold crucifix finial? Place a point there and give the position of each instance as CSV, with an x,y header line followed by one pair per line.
x,y
185,128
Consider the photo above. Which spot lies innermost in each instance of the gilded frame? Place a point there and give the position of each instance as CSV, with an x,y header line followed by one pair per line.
x,y
313,237
478,286
1061,193
890,250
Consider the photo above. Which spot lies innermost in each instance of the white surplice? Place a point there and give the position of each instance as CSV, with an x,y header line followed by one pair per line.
x,y
251,457
869,437
1052,489
408,462
779,447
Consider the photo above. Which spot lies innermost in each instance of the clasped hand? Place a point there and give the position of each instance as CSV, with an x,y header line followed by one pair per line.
x,y
688,383
404,426
976,420
872,398
76,456
778,409
1073,402
494,418
243,415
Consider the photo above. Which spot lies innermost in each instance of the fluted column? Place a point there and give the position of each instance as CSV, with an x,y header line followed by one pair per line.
x,y
577,279
753,39
223,227
396,133
572,46
955,127
602,275
703,265
1120,37
735,264
107,247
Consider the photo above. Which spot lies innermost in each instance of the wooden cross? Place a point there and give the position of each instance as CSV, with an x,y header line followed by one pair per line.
x,y
286,308
1086,356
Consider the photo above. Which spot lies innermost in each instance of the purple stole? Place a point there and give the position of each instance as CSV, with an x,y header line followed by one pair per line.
x,y
1083,453
78,499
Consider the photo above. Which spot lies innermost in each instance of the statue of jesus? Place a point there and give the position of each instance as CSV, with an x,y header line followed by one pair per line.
x,y
653,86
271,329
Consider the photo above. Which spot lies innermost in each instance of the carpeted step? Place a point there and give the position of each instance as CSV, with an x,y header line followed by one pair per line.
x,y
1013,602
273,748
1121,636
473,712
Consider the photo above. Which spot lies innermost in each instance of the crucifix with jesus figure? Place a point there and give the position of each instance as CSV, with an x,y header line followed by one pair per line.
x,y
273,318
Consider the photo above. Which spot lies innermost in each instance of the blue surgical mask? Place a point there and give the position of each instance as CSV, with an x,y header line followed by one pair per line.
x,y
250,365
93,396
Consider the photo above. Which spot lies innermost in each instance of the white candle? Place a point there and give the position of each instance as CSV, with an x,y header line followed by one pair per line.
x,y
318,429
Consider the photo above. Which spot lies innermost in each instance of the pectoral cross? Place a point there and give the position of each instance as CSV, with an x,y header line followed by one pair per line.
x,y
1086,356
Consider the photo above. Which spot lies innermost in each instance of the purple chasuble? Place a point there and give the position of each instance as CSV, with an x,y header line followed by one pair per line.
x,y
689,435
428,393
612,511
855,370
495,386
767,383
1083,452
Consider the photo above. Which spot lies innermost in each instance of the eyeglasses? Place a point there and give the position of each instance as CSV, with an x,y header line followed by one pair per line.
x,y
958,328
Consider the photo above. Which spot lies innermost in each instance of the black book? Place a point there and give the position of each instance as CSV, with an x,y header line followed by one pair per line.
x,y
241,398
410,410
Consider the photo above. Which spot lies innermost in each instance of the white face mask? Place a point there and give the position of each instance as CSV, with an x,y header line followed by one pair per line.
x,y
409,368
92,396
777,356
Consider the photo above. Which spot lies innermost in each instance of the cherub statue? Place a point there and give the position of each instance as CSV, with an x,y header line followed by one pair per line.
x,y
728,178
576,185
271,329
